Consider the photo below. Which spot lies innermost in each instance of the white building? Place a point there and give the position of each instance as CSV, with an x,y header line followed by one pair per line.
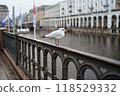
x,y
52,11
73,7
86,13
3,12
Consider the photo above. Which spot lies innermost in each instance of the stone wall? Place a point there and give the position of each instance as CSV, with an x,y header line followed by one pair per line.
x,y
93,30
96,30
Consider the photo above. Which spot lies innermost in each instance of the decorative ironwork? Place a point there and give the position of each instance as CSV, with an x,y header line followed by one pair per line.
x,y
33,59
10,44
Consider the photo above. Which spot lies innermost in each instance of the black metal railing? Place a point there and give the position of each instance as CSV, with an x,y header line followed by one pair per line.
x,y
42,61
10,44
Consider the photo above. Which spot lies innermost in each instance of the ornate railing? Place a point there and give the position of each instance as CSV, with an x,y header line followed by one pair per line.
x,y
10,44
42,61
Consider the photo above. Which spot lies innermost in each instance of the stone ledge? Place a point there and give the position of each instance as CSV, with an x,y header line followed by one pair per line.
x,y
18,70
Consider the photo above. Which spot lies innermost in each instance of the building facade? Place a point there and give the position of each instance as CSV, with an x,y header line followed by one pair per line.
x,y
28,19
117,4
41,13
53,11
3,11
74,7
86,13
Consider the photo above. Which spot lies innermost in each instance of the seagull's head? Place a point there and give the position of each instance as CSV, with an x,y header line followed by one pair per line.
x,y
62,29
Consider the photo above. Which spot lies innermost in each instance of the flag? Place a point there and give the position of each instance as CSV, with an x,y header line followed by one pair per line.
x,y
20,19
1,22
4,20
34,17
12,21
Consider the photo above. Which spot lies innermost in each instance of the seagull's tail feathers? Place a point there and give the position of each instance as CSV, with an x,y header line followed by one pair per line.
x,y
42,36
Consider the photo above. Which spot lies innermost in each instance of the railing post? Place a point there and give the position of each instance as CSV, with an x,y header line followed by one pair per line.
x,y
17,48
1,39
38,61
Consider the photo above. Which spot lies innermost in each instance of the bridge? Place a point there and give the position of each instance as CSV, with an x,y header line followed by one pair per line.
x,y
38,60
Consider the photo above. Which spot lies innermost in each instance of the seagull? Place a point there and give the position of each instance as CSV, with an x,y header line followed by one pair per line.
x,y
57,34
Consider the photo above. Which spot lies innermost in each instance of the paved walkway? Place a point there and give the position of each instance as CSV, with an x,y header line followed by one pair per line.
x,y
6,70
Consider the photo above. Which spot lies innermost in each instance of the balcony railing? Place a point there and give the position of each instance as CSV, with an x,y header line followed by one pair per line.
x,y
79,9
106,5
70,5
42,61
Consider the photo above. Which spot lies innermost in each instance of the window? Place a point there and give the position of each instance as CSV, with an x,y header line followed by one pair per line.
x,y
102,3
112,1
96,4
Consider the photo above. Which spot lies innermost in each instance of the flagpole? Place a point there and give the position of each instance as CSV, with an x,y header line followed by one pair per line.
x,y
21,19
34,21
13,20
34,32
8,23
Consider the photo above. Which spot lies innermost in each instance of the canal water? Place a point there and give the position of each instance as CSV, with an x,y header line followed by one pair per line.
x,y
94,43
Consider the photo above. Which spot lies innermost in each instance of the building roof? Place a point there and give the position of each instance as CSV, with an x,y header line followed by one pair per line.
x,y
42,7
3,6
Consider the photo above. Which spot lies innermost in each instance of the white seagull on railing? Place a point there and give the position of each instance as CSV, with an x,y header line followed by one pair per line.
x,y
56,35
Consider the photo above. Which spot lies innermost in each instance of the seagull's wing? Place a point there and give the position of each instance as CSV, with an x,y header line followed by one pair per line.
x,y
53,34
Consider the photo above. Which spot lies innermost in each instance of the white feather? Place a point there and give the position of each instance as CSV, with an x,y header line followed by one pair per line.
x,y
56,34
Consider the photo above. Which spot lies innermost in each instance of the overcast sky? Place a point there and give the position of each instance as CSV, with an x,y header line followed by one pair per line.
x,y
25,5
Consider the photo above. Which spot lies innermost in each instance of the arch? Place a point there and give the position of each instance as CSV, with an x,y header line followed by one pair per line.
x,y
111,76
66,64
54,65
65,22
105,21
45,66
100,22
85,22
77,22
94,22
90,66
68,22
46,52
74,22
71,22
114,21
81,20
89,21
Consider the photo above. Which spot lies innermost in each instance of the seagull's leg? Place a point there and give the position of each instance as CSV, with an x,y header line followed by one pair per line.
x,y
58,42
55,41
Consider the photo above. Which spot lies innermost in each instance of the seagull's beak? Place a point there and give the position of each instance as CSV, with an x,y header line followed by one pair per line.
x,y
66,30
